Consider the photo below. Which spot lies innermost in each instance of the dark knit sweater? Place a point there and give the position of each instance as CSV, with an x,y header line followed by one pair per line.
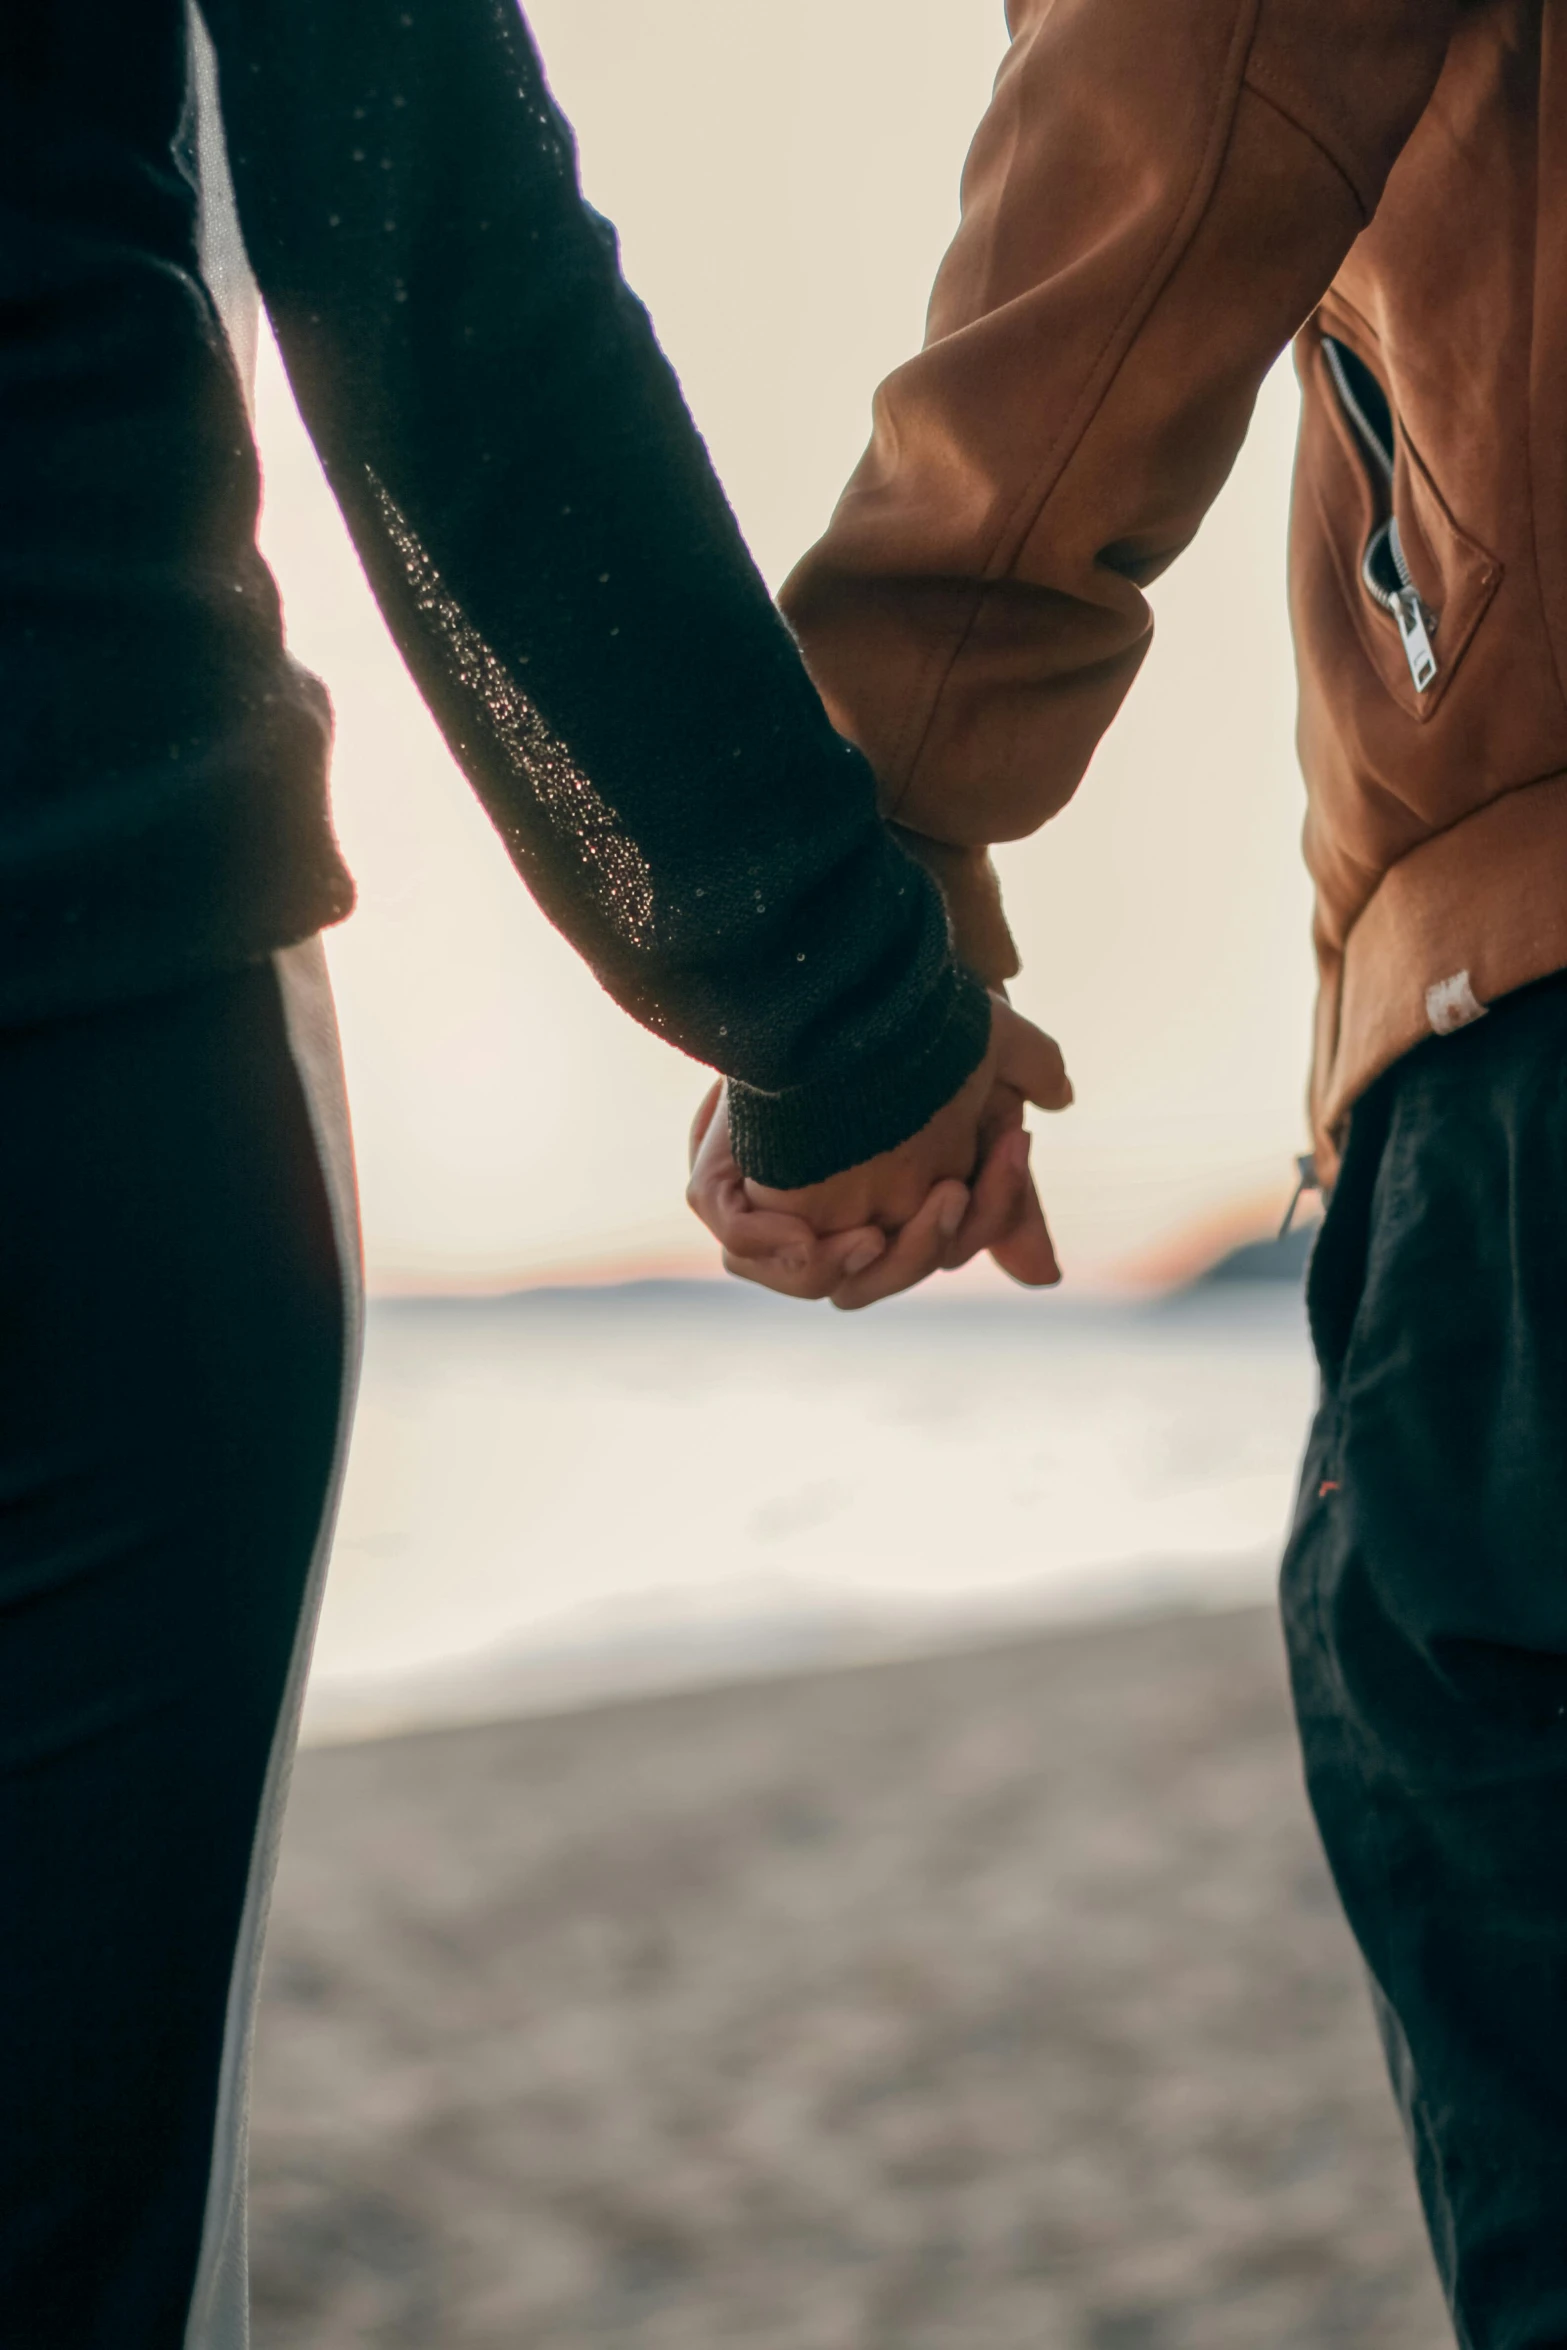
x,y
535,512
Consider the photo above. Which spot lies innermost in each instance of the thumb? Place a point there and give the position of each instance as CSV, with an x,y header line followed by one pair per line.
x,y
1028,1060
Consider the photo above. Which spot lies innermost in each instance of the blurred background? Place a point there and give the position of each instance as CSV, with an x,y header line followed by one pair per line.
x,y
802,1845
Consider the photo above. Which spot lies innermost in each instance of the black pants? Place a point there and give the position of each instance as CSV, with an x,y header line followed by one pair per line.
x,y
171,1373
1425,1602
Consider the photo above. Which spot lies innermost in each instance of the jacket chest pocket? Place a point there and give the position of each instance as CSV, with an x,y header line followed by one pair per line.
x,y
1417,583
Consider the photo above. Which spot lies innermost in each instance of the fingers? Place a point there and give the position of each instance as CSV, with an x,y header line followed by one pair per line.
x,y
785,1254
1002,1113
779,1251
1028,1060
1006,1218
915,1252
996,1199
813,1274
715,1194
755,1236
1027,1252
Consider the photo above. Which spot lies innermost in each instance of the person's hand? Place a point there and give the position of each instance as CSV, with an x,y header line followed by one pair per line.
x,y
959,1186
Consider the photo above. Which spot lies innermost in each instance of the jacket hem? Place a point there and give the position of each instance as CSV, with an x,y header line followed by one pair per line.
x,y
1462,920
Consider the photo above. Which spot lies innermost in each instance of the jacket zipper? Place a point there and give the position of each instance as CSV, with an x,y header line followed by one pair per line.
x,y
1384,568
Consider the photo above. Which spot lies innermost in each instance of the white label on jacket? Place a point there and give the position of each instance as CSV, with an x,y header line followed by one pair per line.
x,y
1452,1003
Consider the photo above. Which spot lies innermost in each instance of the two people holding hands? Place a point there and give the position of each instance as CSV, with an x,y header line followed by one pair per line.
x,y
776,857
961,1186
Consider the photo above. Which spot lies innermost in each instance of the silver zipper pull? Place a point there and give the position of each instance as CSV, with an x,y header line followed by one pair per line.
x,y
1414,629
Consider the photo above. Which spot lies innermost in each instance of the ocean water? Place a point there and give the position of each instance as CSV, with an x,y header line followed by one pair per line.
x,y
569,1495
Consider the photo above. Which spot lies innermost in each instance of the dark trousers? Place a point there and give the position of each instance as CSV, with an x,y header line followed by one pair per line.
x,y
1425,1604
171,1373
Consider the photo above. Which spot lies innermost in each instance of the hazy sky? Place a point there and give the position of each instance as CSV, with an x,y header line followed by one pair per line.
x,y
784,180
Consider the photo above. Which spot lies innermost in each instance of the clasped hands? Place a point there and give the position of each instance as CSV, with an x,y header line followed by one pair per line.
x,y
958,1187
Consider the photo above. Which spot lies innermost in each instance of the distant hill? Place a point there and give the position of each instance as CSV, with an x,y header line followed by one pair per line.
x,y
1264,1260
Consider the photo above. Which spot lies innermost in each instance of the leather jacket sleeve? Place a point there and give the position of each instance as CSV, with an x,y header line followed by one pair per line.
x,y
1156,200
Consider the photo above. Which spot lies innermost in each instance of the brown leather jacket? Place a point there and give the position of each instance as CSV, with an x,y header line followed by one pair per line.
x,y
1162,194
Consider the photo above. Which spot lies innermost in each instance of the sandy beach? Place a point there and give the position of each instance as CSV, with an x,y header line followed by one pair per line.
x,y
996,2001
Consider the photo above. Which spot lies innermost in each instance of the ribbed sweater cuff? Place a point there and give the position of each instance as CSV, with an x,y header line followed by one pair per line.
x,y
787,1140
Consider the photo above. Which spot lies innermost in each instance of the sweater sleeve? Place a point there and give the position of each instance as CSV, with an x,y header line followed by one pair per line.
x,y
541,525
